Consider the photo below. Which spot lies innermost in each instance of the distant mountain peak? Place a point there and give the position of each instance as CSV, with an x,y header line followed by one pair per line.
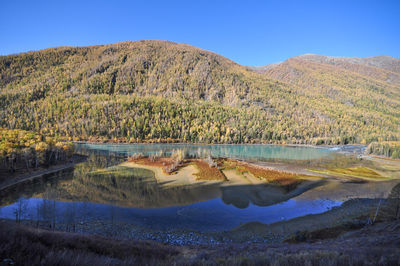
x,y
362,65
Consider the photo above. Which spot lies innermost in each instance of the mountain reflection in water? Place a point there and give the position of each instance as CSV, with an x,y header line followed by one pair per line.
x,y
132,195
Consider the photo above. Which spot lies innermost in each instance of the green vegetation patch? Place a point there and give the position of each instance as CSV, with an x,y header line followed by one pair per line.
x,y
359,171
121,172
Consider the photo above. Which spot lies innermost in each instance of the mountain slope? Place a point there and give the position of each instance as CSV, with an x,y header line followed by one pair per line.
x,y
383,62
158,91
355,82
143,68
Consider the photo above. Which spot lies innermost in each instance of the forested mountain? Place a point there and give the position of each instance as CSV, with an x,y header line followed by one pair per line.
x,y
164,91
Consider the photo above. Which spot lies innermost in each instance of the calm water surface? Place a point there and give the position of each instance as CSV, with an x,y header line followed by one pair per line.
x,y
137,198
222,150
211,215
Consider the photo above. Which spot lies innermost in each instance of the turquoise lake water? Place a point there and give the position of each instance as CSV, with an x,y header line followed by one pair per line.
x,y
224,150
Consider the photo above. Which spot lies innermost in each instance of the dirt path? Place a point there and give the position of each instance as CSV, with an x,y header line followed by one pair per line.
x,y
38,173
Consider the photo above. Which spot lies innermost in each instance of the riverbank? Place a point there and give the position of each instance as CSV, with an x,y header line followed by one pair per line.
x,y
10,180
256,172
371,245
347,168
252,232
277,158
224,171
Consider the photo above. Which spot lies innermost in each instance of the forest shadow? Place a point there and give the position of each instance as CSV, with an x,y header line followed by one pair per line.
x,y
264,195
137,188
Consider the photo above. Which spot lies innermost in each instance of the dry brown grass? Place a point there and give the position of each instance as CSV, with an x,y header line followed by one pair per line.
x,y
206,172
29,246
163,162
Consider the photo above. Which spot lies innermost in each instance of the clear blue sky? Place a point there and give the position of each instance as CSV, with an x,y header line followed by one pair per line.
x,y
248,32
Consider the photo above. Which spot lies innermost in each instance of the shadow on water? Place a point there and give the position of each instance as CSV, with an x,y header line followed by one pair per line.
x,y
137,188
242,196
31,187
98,190
132,187
93,192
148,205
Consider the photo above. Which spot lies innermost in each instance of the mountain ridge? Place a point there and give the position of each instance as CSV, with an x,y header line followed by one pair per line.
x,y
386,62
158,90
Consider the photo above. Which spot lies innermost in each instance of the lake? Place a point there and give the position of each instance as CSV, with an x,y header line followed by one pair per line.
x,y
76,195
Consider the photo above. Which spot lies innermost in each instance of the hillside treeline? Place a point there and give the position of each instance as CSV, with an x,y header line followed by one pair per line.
x,y
162,91
387,148
20,149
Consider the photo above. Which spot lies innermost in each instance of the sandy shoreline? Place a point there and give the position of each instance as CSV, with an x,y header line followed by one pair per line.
x,y
186,175
340,188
